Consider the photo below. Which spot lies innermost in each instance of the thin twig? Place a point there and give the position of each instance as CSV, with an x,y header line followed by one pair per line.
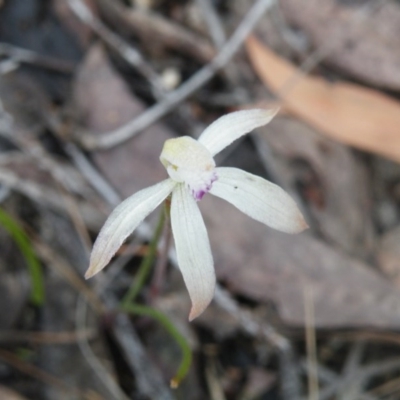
x,y
353,361
44,376
248,323
125,50
213,22
290,385
14,336
92,175
211,376
331,378
363,373
313,386
148,378
389,387
159,110
45,196
153,27
19,55
7,66
103,374
61,266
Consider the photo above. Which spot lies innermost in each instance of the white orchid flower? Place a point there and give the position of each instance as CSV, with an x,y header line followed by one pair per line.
x,y
192,174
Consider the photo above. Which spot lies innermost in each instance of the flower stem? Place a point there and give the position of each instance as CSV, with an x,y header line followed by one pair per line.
x,y
128,302
171,329
145,266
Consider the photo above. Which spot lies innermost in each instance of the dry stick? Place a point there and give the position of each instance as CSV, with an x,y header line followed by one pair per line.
x,y
7,66
92,174
148,378
19,55
64,269
69,178
103,374
379,337
329,377
43,195
213,382
217,33
141,21
389,387
44,376
364,373
15,336
150,26
290,385
213,22
159,110
325,374
40,194
125,50
312,364
353,361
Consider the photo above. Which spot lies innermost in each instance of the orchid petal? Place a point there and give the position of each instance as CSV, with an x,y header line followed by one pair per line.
x,y
228,128
125,218
193,250
259,199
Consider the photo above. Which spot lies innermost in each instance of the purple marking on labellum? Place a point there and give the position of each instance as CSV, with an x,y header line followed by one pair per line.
x,y
199,194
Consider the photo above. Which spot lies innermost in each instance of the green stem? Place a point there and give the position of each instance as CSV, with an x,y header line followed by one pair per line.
x,y
145,266
171,329
34,267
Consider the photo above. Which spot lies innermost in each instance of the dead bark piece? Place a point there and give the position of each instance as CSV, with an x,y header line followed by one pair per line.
x,y
332,181
363,39
104,100
347,112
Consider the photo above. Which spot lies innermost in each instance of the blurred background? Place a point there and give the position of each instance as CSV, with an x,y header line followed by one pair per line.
x,y
89,92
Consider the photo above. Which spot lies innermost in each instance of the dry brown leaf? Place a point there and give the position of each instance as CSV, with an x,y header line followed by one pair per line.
x,y
355,115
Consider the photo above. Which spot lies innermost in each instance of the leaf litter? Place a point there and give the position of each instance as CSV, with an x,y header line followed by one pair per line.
x,y
348,258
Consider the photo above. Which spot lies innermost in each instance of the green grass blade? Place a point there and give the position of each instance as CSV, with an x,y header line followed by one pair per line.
x,y
34,266
186,359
